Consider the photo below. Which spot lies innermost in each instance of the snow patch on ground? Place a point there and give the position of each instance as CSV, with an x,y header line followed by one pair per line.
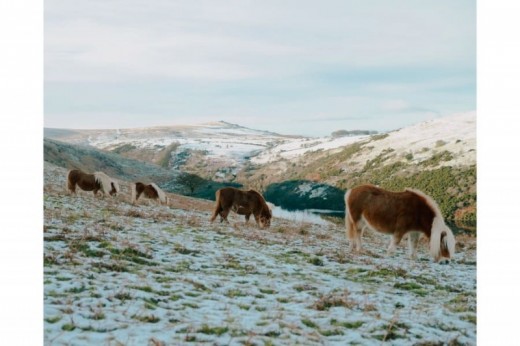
x,y
117,273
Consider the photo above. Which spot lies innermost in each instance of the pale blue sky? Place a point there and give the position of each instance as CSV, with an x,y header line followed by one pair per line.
x,y
294,67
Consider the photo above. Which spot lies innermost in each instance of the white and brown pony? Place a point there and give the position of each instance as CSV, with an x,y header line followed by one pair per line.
x,y
397,213
151,191
97,181
242,203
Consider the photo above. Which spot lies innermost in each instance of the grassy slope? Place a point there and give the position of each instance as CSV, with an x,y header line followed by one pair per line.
x,y
454,188
90,159
148,274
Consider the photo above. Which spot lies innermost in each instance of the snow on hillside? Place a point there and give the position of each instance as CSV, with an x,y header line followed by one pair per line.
x,y
219,141
297,147
232,145
116,274
455,133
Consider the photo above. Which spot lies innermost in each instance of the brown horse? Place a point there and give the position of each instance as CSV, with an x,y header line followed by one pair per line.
x,y
397,213
91,182
242,203
151,191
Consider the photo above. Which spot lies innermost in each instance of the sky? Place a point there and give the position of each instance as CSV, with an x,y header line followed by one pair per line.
x,y
293,67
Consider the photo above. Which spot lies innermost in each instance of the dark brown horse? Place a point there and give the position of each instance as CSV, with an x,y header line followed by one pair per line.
x,y
91,182
150,191
397,213
242,203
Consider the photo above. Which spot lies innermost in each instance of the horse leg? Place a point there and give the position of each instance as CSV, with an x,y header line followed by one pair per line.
x,y
224,214
394,242
216,212
71,188
413,240
247,217
353,234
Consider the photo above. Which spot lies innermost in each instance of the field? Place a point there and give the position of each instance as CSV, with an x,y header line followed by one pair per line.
x,y
119,274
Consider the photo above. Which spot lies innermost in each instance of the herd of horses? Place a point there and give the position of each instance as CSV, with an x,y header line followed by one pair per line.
x,y
410,212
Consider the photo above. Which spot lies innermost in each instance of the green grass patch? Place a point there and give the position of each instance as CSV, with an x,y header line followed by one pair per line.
x,y
348,325
331,332
143,288
76,290
53,319
68,327
232,293
123,296
412,287
316,261
213,330
267,291
309,323
146,318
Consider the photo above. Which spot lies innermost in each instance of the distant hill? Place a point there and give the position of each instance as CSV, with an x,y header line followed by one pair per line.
x,y
215,151
436,156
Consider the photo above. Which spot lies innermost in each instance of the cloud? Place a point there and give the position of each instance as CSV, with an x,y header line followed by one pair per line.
x,y
121,40
257,61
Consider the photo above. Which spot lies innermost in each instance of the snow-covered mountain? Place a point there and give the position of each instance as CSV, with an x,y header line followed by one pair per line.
x,y
220,147
220,150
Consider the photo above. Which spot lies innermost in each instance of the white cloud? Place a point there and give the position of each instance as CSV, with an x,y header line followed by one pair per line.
x,y
100,40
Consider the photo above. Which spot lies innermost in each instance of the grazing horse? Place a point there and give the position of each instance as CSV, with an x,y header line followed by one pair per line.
x,y
151,191
397,213
242,203
91,182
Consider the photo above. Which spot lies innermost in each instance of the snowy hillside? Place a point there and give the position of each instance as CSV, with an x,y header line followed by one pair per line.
x,y
219,145
163,275
455,133
227,145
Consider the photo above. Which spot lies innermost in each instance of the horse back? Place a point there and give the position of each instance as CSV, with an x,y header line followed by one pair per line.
x,y
240,200
390,211
85,181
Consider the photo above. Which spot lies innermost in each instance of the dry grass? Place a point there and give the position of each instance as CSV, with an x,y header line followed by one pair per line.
x,y
335,299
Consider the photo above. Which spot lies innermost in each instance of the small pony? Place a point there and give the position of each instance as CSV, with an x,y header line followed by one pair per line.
x,y
91,182
151,191
242,203
397,213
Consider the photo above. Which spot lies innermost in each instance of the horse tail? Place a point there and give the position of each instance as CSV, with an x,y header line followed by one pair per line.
x,y
217,206
348,218
132,192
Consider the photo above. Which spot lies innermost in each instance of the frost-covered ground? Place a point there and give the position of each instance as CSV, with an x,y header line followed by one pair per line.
x,y
118,274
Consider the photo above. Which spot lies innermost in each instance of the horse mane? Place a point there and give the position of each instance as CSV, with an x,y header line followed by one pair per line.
x,y
429,201
105,181
160,193
438,226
